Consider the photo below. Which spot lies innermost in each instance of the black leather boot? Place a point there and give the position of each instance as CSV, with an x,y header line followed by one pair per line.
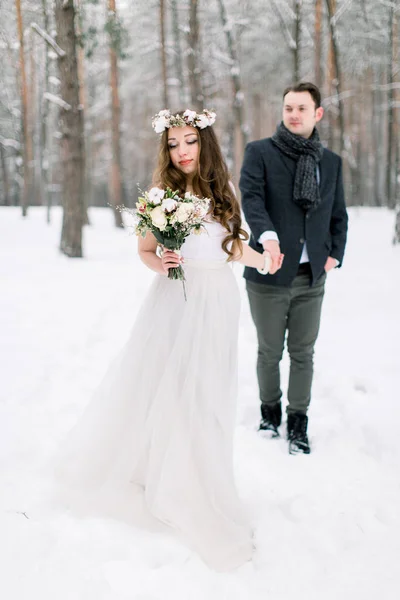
x,y
271,418
297,433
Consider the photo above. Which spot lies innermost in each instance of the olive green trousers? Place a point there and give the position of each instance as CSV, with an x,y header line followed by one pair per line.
x,y
291,313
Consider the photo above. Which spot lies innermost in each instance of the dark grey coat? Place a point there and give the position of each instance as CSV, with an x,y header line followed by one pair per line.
x,y
266,185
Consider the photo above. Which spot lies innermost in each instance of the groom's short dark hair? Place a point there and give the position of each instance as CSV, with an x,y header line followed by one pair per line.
x,y
306,86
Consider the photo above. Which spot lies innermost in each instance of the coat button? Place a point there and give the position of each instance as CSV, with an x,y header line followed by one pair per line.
x,y
302,240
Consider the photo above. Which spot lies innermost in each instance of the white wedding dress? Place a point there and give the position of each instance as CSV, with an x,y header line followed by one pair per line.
x,y
162,421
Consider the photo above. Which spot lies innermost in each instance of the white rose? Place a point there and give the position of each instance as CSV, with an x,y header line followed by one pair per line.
x,y
156,195
158,218
202,121
164,113
184,211
211,118
169,204
160,124
201,211
188,194
190,115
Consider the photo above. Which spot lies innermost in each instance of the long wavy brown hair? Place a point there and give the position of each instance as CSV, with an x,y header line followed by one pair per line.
x,y
212,180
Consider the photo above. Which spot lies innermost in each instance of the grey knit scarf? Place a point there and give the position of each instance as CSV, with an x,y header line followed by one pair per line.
x,y
307,153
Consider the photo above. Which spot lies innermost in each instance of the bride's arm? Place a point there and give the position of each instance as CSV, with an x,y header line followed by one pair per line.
x,y
251,258
147,249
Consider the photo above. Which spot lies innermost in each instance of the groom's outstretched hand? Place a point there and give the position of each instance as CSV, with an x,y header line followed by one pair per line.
x,y
273,248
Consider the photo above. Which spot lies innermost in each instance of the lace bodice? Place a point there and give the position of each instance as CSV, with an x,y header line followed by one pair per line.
x,y
207,245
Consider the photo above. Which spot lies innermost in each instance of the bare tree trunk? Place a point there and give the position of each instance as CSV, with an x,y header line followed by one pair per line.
x,y
287,32
379,155
44,150
336,82
331,109
396,236
318,43
72,150
237,92
193,58
178,53
33,119
82,100
390,201
396,115
355,148
163,54
296,47
116,179
396,131
6,186
257,117
27,140
80,55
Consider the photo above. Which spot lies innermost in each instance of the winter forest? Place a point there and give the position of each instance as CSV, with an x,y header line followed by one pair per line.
x,y
81,80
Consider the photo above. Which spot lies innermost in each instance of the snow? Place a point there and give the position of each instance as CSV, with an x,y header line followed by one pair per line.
x,y
327,525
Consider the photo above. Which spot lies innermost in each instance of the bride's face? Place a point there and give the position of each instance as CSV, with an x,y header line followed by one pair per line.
x,y
183,144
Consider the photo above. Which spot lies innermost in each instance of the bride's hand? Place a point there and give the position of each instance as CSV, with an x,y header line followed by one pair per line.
x,y
170,260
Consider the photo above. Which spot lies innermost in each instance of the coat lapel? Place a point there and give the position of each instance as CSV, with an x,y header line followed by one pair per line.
x,y
289,163
323,171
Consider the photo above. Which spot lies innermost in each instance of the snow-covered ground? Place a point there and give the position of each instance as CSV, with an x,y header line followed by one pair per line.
x,y
327,525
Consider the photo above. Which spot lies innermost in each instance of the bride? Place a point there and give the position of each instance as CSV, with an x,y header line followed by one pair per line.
x,y
162,420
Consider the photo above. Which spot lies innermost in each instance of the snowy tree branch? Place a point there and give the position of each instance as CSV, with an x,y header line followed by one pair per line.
x,y
289,38
57,100
48,39
10,143
341,10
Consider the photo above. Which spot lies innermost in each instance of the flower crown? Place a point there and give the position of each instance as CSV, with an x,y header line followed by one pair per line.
x,y
163,120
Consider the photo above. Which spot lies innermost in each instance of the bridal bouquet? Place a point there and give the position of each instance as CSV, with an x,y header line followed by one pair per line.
x,y
170,218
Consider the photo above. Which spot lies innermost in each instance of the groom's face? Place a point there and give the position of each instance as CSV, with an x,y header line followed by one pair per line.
x,y
300,114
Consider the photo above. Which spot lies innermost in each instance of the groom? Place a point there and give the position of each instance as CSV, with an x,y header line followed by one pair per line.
x,y
293,201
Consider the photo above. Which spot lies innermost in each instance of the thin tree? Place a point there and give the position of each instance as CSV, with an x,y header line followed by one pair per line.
x,y
318,43
163,54
193,57
335,81
45,113
237,91
82,100
6,186
290,36
33,117
178,53
72,136
297,32
396,127
116,177
391,152
378,147
44,138
27,150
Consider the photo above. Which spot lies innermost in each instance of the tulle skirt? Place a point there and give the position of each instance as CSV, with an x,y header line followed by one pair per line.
x,y
161,423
